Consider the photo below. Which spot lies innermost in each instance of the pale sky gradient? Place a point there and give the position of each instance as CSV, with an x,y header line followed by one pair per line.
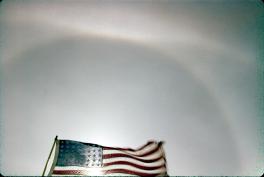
x,y
119,73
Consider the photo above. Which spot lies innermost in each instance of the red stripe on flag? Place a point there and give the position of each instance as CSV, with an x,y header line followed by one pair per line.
x,y
134,165
128,149
109,156
130,172
69,172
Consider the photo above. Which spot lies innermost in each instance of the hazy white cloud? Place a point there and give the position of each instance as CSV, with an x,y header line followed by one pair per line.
x,y
120,73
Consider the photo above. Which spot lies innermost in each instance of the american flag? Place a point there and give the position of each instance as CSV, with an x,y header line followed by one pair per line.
x,y
78,158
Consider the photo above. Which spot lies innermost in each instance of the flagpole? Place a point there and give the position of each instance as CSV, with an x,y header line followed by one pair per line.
x,y
55,139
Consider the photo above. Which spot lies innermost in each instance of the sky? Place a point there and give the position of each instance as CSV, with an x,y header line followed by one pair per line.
x,y
120,73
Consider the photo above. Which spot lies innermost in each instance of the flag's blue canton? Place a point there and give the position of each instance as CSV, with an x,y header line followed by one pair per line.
x,y
73,153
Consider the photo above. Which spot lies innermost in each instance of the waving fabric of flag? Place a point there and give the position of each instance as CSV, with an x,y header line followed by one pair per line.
x,y
77,158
